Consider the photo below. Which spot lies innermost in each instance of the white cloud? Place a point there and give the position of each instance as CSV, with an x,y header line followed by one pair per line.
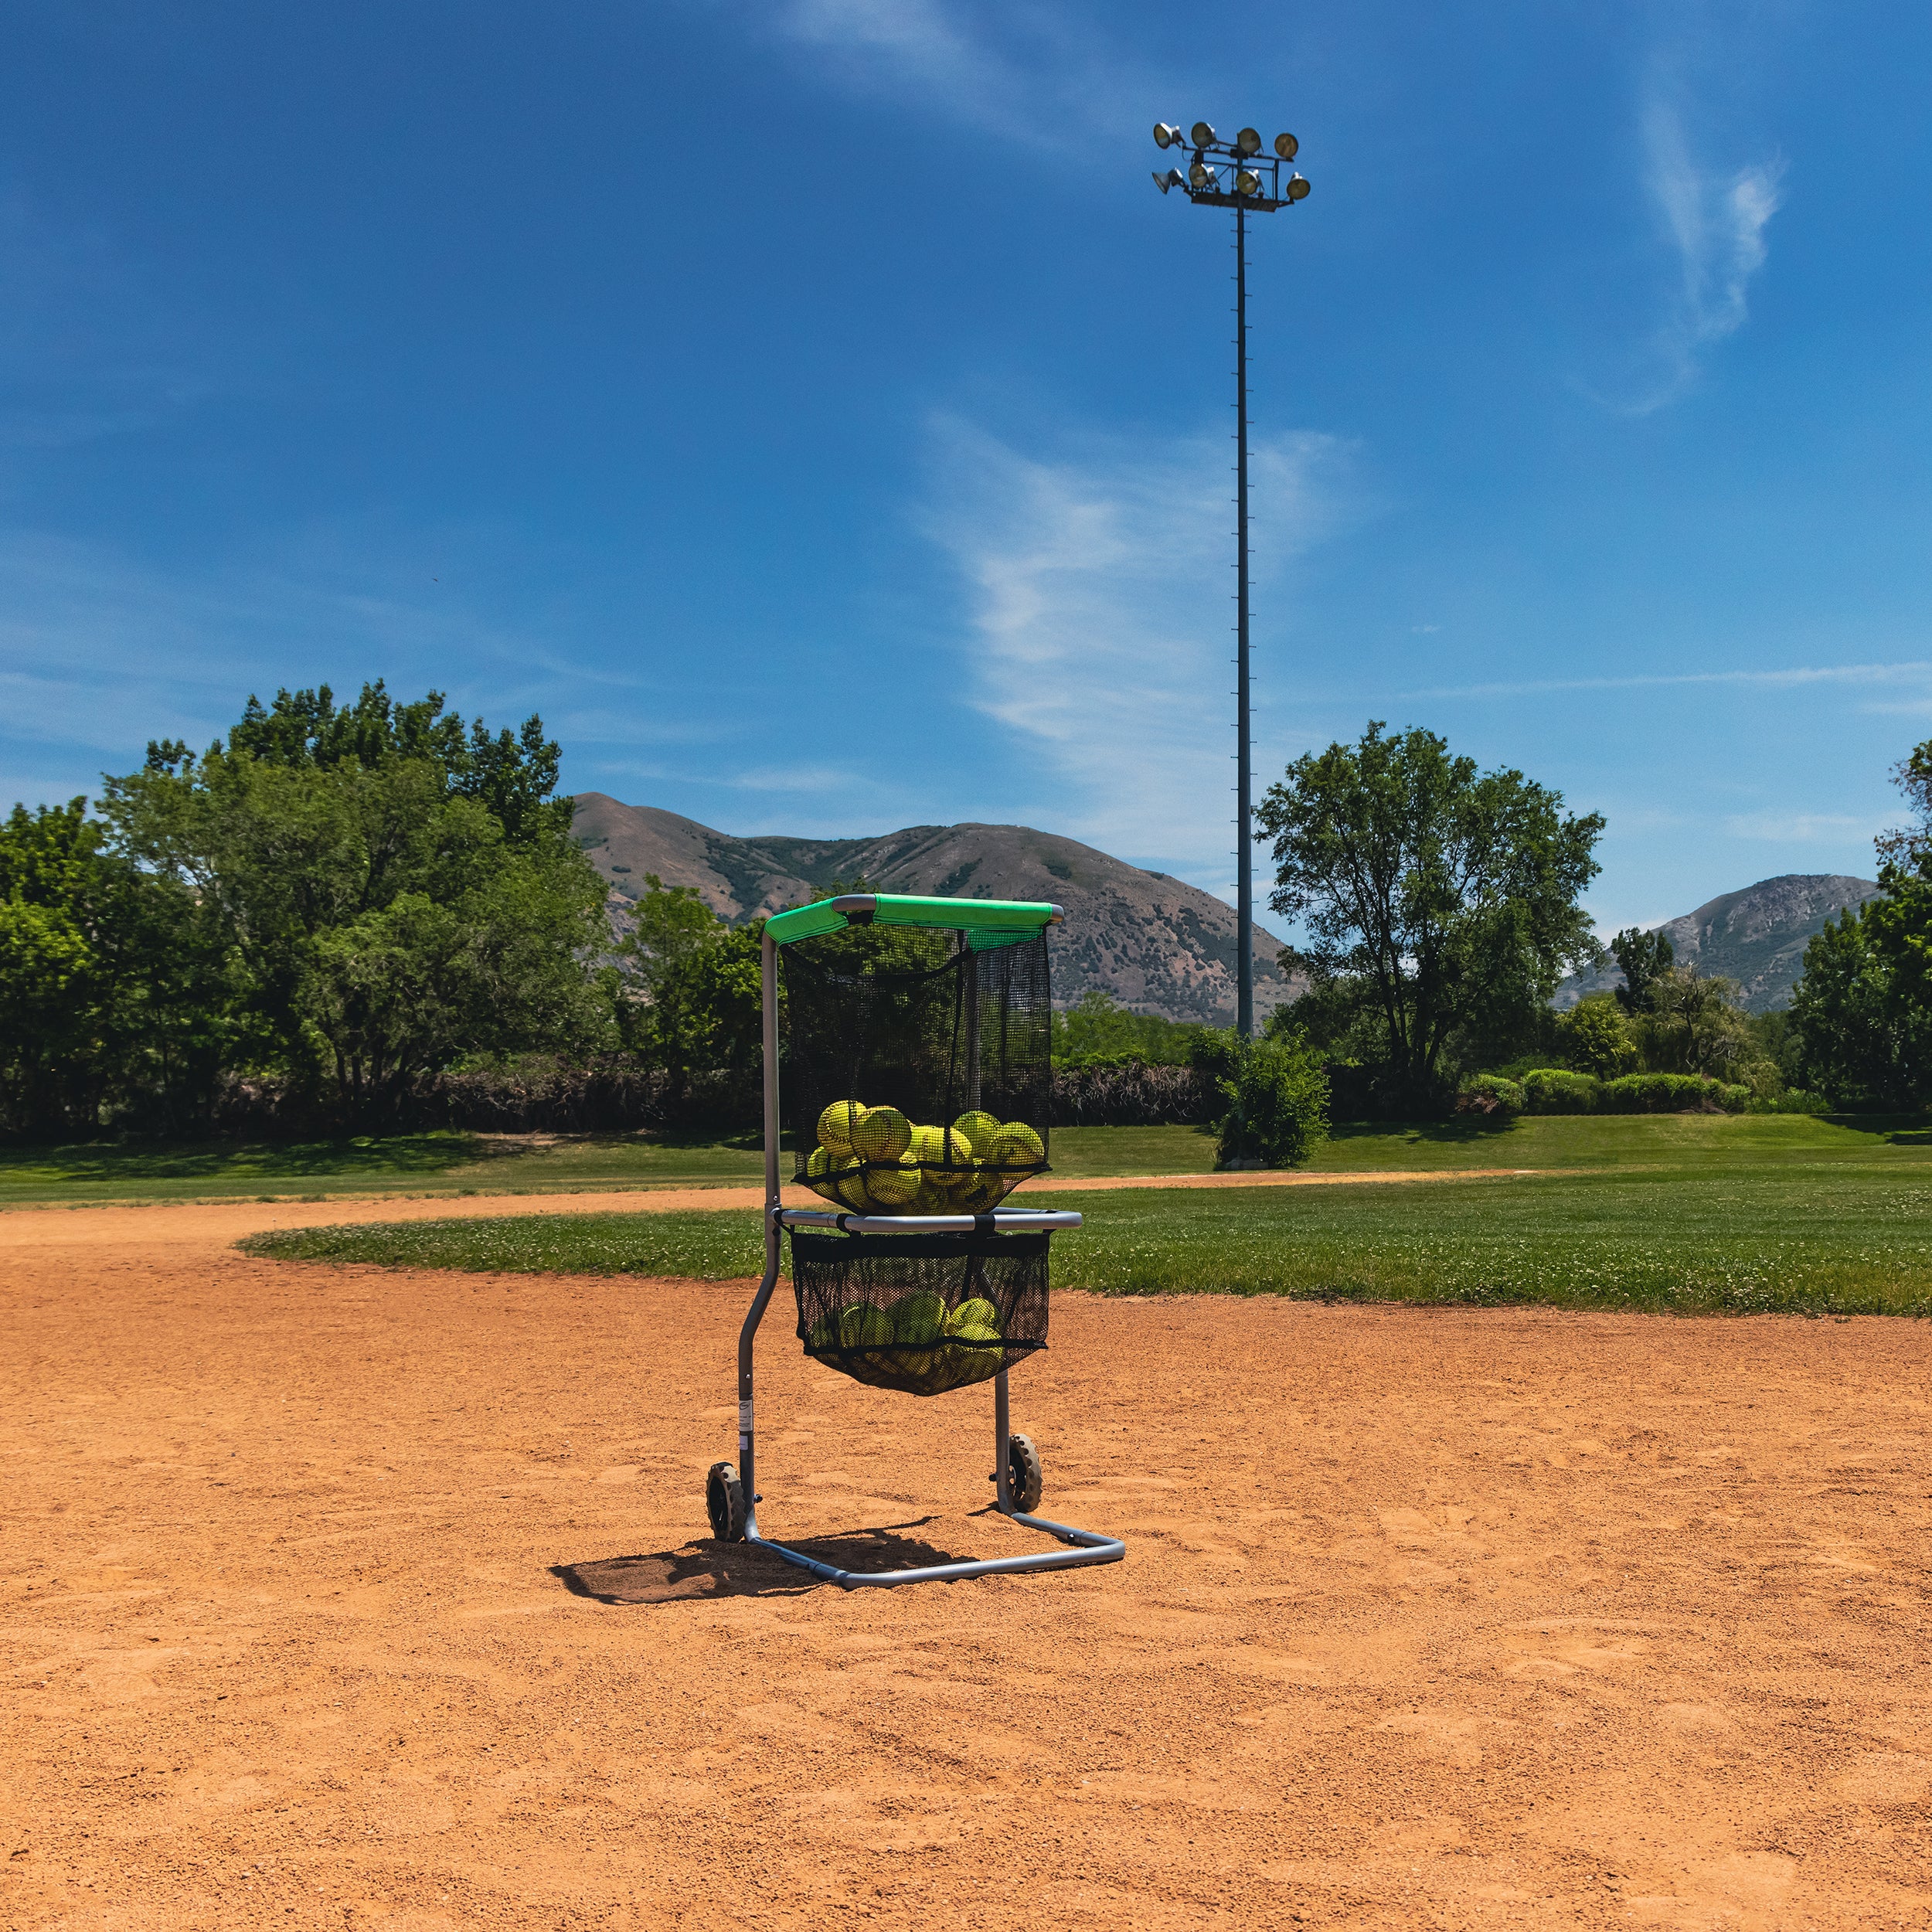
x,y
800,778
99,653
1096,588
1913,671
1714,221
1022,72
1803,828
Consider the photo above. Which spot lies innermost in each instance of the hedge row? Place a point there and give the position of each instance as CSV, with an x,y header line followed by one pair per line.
x,y
1555,1090
541,1095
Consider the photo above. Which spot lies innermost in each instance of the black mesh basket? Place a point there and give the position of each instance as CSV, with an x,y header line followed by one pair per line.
x,y
922,1313
919,1069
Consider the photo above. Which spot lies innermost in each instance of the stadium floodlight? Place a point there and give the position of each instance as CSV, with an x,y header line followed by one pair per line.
x,y
1257,188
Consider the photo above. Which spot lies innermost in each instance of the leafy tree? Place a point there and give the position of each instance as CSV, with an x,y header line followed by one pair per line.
x,y
1862,1041
1596,1040
1642,957
1440,900
697,983
395,893
57,994
513,777
1862,1011
113,1002
1096,1028
1693,1024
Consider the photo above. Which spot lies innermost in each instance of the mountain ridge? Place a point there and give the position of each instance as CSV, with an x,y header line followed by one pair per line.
x,y
1153,943
1756,936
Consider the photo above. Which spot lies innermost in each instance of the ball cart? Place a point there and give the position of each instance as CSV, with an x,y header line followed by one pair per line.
x,y
916,1037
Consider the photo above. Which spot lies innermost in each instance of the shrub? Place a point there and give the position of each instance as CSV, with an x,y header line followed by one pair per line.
x,y
1489,1093
1555,1089
1126,1092
1672,1093
1792,1099
1277,1104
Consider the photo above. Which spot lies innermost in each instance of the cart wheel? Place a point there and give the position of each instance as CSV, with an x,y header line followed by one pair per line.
x,y
1024,1480
724,1501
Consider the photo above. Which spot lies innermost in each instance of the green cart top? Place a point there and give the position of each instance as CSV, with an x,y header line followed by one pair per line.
x,y
987,922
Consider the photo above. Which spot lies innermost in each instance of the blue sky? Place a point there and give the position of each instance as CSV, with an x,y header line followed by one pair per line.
x,y
814,411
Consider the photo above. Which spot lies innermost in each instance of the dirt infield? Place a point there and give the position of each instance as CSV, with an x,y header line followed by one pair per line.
x,y
347,1597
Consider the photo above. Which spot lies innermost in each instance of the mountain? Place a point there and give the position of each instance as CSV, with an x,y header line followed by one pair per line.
x,y
1757,936
1153,944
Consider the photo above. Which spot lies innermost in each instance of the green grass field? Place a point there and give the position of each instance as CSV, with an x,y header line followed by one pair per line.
x,y
389,1164
456,1164
1691,1213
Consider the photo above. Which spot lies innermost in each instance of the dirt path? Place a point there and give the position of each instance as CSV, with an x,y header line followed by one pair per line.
x,y
173,1223
349,1597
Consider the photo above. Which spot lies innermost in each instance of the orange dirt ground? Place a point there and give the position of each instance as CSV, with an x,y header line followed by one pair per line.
x,y
345,1597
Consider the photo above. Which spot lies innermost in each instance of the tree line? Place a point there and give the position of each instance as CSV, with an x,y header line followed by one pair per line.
x,y
361,914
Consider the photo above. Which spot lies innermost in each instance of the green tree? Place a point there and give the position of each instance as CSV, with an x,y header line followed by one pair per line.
x,y
56,986
695,1011
1596,1040
1097,1030
1863,1041
114,1003
395,893
1692,1023
1861,1013
1440,900
1642,957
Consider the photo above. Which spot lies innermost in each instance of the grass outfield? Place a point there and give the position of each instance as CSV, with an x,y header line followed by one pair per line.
x,y
458,1164
1693,1214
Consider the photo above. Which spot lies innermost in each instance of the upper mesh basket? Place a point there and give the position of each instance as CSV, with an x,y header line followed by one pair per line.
x,y
920,1068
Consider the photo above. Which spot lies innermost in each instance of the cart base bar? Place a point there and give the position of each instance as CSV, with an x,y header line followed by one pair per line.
x,y
1092,1549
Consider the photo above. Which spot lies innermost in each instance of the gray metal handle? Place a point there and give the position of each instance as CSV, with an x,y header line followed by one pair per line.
x,y
1018,1220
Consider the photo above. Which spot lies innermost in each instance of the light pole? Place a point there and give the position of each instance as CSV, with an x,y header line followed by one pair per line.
x,y
1239,177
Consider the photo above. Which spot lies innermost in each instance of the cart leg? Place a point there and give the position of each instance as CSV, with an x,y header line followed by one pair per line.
x,y
747,1432
1003,1451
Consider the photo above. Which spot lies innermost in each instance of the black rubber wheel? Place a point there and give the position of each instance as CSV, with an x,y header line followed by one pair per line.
x,y
724,1502
1024,1479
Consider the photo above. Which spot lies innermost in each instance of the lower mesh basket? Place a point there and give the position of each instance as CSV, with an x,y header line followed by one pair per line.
x,y
923,1313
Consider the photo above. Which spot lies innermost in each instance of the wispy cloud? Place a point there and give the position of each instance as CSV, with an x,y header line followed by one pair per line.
x,y
1029,73
1915,672
799,779
1092,583
1713,220
1804,828
86,349
99,652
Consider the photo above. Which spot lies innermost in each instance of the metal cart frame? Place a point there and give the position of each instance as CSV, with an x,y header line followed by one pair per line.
x,y
1085,1545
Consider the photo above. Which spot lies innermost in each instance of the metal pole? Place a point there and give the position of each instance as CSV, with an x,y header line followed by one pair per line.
x,y
747,1433
1244,835
1002,1448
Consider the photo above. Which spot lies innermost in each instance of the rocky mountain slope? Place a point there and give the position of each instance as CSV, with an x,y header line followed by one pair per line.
x,y
1152,943
1757,936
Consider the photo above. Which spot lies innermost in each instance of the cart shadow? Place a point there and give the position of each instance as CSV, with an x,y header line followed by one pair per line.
x,y
704,1568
